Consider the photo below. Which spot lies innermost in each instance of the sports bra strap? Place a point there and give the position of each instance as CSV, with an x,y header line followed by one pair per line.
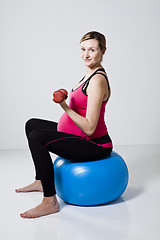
x,y
100,69
88,80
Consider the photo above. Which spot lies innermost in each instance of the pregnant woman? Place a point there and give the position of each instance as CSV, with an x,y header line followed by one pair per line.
x,y
81,133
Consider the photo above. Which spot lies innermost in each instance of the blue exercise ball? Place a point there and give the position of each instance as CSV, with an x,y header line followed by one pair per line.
x,y
91,183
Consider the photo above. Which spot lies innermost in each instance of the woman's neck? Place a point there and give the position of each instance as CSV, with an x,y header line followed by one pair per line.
x,y
89,71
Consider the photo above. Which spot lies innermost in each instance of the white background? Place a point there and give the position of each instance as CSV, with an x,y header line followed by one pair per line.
x,y
39,53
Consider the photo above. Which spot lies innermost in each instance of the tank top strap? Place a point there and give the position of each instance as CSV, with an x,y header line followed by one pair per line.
x,y
99,69
94,73
88,80
81,79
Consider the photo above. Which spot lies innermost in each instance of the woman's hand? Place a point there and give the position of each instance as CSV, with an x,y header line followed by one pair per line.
x,y
60,95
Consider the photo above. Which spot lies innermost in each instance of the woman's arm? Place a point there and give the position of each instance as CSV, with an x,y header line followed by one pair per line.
x,y
96,90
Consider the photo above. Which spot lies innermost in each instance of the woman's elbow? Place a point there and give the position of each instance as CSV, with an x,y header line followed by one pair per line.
x,y
89,132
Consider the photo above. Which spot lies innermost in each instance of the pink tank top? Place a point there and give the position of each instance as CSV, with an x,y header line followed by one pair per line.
x,y
78,102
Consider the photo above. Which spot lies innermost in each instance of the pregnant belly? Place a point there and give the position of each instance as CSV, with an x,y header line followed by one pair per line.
x,y
66,125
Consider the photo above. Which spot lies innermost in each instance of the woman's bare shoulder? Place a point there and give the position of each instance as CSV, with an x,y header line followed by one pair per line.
x,y
98,83
98,80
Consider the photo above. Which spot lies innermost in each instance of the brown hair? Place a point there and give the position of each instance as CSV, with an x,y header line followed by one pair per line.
x,y
95,35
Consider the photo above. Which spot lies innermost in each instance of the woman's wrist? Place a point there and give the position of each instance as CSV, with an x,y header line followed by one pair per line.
x,y
64,105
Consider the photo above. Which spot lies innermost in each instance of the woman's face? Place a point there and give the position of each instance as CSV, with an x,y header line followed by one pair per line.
x,y
91,53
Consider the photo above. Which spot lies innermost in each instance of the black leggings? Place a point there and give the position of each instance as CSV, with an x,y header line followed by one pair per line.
x,y
43,138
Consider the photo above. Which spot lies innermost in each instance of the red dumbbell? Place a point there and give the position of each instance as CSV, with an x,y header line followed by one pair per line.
x,y
60,95
65,92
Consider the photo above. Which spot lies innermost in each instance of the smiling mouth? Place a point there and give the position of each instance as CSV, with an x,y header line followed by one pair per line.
x,y
87,60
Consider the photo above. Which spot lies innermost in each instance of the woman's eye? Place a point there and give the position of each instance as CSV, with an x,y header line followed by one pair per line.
x,y
92,50
82,49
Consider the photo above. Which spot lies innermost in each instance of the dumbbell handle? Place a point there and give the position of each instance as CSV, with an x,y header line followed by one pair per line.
x,y
65,92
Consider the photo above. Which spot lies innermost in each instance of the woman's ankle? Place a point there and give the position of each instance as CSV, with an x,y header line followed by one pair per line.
x,y
51,199
37,180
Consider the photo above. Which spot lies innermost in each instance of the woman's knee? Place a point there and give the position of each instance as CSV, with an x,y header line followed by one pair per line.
x,y
35,136
30,125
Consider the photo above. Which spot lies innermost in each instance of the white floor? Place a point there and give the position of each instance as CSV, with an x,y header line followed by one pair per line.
x,y
136,215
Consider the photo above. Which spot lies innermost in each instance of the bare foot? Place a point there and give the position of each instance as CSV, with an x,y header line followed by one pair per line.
x,y
48,206
35,186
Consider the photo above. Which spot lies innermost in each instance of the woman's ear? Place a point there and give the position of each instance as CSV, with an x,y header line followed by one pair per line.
x,y
103,51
